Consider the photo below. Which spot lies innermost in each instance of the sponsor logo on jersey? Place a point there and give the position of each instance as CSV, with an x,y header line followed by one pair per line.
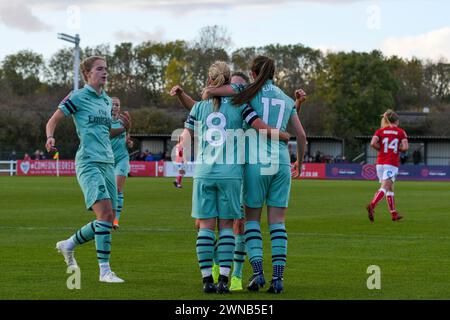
x,y
100,120
390,132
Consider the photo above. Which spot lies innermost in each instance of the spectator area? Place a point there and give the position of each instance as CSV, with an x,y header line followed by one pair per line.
x,y
424,150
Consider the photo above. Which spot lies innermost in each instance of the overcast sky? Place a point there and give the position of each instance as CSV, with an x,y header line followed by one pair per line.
x,y
407,28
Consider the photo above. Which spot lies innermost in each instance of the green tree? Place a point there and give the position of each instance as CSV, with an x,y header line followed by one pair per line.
x,y
153,120
437,79
22,71
409,74
358,88
242,57
60,68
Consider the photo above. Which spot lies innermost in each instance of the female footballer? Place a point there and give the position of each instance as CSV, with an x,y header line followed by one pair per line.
x,y
389,141
237,78
119,144
90,108
217,183
263,184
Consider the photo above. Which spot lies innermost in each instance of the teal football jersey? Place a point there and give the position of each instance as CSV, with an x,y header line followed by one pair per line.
x,y
275,108
220,153
119,143
92,116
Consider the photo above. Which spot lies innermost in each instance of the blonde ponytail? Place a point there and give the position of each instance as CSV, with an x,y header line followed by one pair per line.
x,y
219,74
389,118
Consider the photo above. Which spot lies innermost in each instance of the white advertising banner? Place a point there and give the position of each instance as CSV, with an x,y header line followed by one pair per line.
x,y
171,169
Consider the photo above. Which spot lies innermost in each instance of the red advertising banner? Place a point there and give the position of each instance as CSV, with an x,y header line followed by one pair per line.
x,y
141,169
137,169
313,171
45,167
146,168
67,168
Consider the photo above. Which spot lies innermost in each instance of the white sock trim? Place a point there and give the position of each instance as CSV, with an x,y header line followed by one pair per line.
x,y
70,244
390,193
225,271
104,268
206,272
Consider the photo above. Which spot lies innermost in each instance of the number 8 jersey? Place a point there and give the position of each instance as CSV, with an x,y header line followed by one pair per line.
x,y
220,151
390,139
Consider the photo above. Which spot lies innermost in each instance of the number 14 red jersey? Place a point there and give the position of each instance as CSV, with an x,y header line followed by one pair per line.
x,y
389,140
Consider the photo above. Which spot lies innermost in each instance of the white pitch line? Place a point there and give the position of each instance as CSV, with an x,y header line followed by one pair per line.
x,y
305,234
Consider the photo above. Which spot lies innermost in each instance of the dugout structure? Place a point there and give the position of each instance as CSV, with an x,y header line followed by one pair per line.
x,y
423,150
320,149
157,143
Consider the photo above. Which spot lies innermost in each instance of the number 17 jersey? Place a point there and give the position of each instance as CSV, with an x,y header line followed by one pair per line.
x,y
275,108
389,140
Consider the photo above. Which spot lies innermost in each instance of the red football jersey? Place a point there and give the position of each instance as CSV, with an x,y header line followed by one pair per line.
x,y
179,153
389,140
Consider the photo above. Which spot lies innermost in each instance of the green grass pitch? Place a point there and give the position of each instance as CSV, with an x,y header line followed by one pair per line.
x,y
331,242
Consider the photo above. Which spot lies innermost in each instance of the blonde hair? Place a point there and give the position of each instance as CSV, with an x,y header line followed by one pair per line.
x,y
389,118
87,65
219,75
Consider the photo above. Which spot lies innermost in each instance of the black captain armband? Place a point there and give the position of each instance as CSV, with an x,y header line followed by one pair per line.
x,y
249,115
70,106
190,120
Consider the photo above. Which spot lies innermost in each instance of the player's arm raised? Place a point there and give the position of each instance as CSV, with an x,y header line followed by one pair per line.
x,y
300,97
187,138
300,134
50,130
185,100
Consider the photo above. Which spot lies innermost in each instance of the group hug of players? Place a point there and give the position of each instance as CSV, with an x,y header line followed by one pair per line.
x,y
226,196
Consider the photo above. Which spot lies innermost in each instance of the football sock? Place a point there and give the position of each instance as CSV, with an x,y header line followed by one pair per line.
x,y
278,237
205,250
390,201
253,241
103,240
379,195
119,205
239,255
215,257
225,250
84,234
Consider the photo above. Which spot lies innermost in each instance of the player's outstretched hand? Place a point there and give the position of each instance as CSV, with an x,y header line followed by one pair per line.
x,y
300,95
50,145
296,173
177,90
125,118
